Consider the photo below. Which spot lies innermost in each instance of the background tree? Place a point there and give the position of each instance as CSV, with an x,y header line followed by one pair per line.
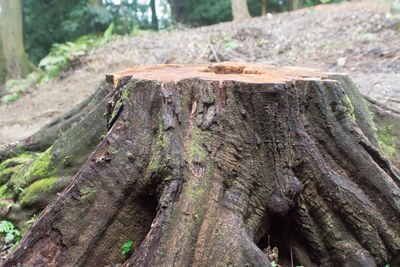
x,y
207,12
57,21
294,4
240,11
13,62
179,11
154,19
264,7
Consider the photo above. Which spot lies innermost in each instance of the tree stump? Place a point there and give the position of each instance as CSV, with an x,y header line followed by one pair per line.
x,y
213,165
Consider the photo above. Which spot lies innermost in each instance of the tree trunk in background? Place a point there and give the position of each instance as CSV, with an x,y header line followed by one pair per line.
x,y
207,166
154,19
13,62
178,11
240,11
264,8
3,62
294,4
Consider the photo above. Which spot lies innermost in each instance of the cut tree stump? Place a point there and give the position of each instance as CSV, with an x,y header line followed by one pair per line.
x,y
216,165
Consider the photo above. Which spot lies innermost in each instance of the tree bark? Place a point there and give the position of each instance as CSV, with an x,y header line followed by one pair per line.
x,y
294,4
13,62
178,11
154,19
264,8
53,154
240,11
208,166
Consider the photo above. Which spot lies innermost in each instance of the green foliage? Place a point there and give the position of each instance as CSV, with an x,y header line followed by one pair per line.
x,y
31,220
126,248
108,33
206,12
62,54
231,44
57,21
8,232
17,87
273,263
10,97
128,15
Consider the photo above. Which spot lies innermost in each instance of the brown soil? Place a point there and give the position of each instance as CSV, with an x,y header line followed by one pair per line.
x,y
360,38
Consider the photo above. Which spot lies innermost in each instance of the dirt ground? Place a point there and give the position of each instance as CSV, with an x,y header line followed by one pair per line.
x,y
359,38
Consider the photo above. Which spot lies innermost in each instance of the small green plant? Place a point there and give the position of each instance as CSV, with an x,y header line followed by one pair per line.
x,y
62,54
126,248
10,97
15,88
31,220
230,44
59,58
8,232
273,263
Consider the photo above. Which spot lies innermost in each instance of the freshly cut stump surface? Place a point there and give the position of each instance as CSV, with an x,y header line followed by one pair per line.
x,y
216,165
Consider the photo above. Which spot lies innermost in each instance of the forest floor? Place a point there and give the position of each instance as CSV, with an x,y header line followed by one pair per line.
x,y
359,38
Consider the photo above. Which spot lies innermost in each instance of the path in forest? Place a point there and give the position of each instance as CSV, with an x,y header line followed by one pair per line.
x,y
360,38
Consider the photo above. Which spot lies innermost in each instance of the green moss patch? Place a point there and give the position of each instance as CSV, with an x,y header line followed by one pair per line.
x,y
387,143
35,191
12,165
40,168
195,145
88,193
5,192
349,107
20,159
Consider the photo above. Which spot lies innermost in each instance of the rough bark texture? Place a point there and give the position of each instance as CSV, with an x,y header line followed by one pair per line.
x,y
240,11
13,62
32,172
208,166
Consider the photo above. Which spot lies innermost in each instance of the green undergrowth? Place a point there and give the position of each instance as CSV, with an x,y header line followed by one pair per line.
x,y
61,56
8,233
